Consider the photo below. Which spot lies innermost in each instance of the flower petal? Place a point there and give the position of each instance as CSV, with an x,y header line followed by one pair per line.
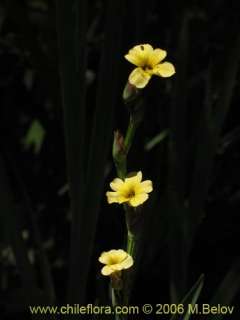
x,y
139,176
134,179
107,270
104,258
116,267
134,59
138,199
139,54
156,56
112,197
139,78
165,69
127,263
116,184
122,199
118,255
146,186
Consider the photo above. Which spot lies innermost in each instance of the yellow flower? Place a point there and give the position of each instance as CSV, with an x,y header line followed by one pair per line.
x,y
131,190
115,261
148,62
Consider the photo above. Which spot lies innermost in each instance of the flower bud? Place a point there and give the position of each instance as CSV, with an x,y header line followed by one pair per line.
x,y
118,145
130,92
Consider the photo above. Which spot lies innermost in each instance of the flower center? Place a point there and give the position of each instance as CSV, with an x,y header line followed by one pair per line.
x,y
147,67
131,193
113,260
116,260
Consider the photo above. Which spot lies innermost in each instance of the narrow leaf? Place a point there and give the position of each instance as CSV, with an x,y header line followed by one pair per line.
x,y
177,169
209,133
102,128
190,299
156,140
72,30
227,290
11,229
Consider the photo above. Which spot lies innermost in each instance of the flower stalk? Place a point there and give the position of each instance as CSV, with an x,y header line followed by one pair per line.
x,y
121,145
121,148
130,190
132,127
130,243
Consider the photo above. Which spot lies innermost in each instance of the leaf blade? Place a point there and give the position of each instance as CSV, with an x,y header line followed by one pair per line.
x,y
190,298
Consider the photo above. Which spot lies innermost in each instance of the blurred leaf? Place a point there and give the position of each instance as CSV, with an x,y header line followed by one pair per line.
x,y
11,233
28,79
34,137
156,140
206,138
38,5
177,174
190,298
86,184
72,29
229,139
37,255
209,130
227,290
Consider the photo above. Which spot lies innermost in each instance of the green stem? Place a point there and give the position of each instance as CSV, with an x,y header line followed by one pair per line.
x,y
113,297
120,151
130,243
132,127
121,168
116,300
121,147
120,161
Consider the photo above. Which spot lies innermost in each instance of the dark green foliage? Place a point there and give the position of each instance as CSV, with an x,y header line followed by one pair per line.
x,y
191,298
183,144
227,290
86,171
11,234
72,28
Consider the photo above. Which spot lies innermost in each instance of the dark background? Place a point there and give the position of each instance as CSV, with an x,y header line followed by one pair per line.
x,y
202,41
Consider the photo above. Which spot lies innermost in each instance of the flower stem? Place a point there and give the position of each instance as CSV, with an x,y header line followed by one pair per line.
x,y
130,243
121,148
132,127
116,300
